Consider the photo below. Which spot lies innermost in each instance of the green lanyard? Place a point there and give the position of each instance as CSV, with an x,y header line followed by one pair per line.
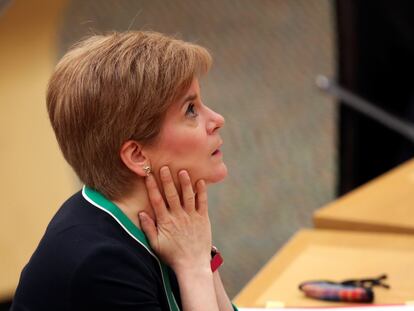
x,y
98,200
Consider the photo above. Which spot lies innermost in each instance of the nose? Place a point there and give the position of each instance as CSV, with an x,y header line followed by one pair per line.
x,y
215,121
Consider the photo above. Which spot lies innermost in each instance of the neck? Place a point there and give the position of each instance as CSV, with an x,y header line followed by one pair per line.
x,y
135,202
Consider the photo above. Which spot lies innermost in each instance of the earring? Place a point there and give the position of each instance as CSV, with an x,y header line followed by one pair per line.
x,y
147,169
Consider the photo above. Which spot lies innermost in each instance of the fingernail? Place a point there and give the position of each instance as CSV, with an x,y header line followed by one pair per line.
x,y
142,216
164,171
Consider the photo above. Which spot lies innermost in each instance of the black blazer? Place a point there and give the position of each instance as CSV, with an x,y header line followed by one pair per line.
x,y
90,259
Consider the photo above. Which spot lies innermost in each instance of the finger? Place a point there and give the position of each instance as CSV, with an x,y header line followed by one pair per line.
x,y
149,228
170,191
155,198
202,203
187,190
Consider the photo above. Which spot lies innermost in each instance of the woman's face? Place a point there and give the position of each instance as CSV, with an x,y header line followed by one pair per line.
x,y
190,140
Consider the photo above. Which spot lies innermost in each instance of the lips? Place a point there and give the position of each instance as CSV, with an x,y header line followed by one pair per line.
x,y
217,151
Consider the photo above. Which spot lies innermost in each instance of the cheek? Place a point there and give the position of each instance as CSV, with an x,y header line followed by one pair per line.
x,y
182,143
180,149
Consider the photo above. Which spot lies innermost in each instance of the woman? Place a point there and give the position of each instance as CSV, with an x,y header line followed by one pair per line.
x,y
127,113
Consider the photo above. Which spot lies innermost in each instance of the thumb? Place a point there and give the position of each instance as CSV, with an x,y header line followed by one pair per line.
x,y
149,228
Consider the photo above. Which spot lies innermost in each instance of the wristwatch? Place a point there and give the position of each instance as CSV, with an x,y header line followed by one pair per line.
x,y
216,259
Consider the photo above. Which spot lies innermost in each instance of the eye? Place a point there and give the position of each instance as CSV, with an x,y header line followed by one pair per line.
x,y
191,111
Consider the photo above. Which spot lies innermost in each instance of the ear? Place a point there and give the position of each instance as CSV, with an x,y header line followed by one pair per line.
x,y
132,156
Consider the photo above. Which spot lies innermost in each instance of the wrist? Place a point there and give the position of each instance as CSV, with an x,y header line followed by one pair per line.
x,y
191,266
194,273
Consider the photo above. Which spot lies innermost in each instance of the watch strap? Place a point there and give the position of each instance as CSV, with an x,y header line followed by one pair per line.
x,y
216,259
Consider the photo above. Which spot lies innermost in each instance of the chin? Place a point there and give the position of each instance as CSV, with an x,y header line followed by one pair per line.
x,y
218,175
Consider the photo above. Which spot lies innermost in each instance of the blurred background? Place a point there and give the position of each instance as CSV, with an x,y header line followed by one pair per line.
x,y
290,149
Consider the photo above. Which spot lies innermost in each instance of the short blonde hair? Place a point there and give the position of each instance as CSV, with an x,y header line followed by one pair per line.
x,y
111,88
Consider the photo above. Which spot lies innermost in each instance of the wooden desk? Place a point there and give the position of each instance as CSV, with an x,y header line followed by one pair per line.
x,y
385,204
334,255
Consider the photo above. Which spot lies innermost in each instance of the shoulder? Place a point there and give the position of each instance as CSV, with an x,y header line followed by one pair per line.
x,y
108,258
80,234
111,274
86,259
78,228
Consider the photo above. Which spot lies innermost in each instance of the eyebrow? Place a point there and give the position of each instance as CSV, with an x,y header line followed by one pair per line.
x,y
189,98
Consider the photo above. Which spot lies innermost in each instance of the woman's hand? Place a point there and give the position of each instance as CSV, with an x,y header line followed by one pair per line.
x,y
181,233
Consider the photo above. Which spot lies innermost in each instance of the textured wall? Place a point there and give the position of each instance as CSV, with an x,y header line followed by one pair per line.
x,y
280,132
